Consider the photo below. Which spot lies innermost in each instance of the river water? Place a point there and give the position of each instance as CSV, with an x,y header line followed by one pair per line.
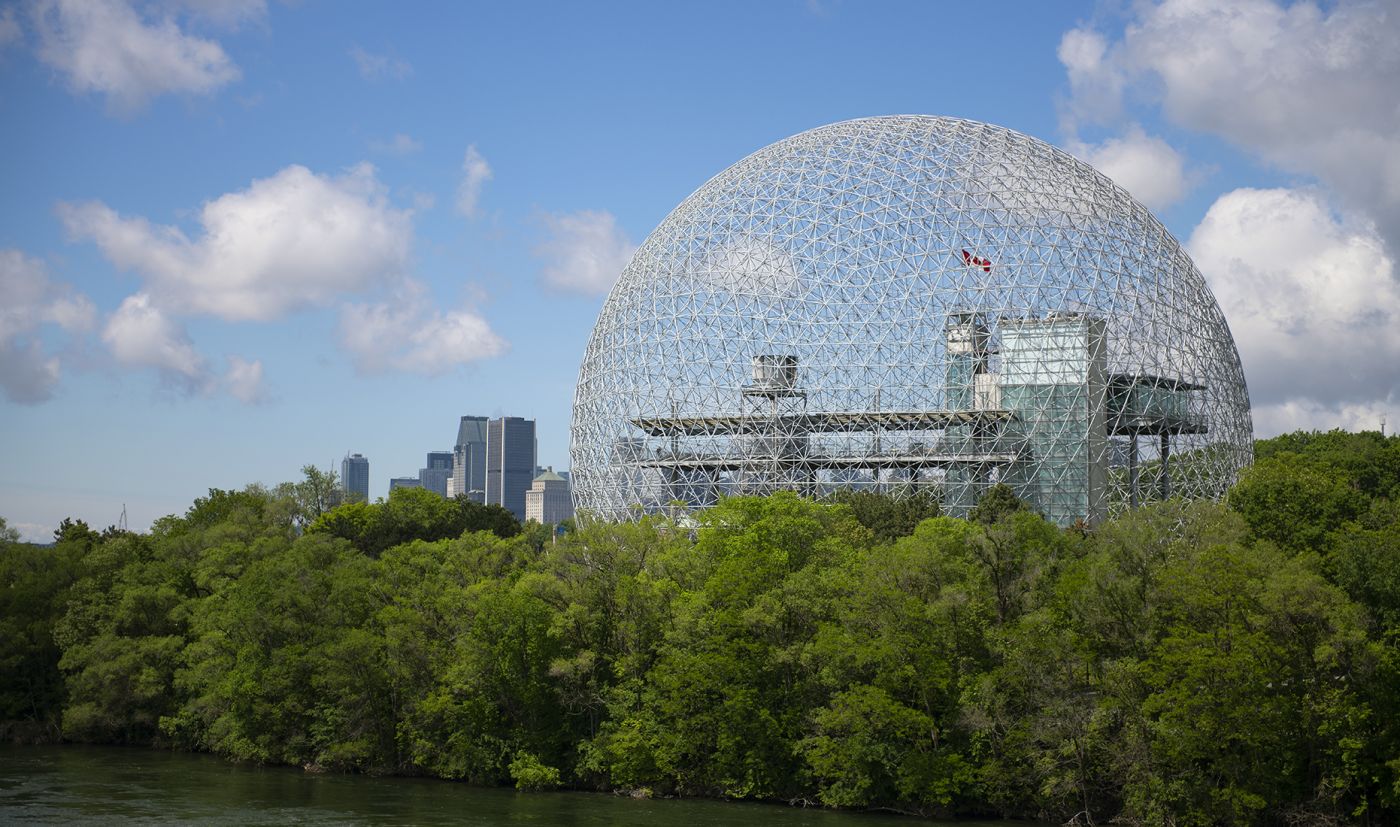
x,y
114,785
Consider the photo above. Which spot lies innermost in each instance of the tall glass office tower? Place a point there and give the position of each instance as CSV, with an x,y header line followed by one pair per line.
x,y
354,477
469,459
510,462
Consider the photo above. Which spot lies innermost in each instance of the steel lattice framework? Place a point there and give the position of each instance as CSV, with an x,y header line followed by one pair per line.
x,y
909,301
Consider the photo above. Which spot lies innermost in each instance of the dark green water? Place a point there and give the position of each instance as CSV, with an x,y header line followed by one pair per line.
x,y
111,785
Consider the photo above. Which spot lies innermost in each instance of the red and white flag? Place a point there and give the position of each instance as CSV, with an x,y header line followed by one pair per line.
x,y
974,261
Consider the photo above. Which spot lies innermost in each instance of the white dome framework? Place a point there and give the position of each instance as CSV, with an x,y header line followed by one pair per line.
x,y
909,302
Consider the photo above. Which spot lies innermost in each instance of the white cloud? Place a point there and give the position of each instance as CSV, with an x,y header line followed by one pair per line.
x,y
294,241
28,300
244,380
1309,414
475,173
374,67
106,46
1096,84
408,334
585,252
1312,301
1309,90
291,241
1145,166
27,373
139,334
400,144
750,266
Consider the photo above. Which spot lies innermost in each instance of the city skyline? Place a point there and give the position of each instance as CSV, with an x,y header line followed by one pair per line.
x,y
479,176
466,469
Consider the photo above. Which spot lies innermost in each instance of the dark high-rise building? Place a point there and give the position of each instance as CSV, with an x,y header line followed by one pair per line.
x,y
354,477
469,459
404,482
439,471
510,462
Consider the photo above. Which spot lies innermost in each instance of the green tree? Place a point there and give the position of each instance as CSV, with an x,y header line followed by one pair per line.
x,y
612,588
1368,460
121,637
1365,562
1249,694
76,532
888,516
1294,504
487,697
1017,555
314,494
34,584
996,505
125,628
411,514
728,698
474,516
256,671
904,647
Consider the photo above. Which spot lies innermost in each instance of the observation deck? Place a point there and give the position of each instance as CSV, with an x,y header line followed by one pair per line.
x,y
829,422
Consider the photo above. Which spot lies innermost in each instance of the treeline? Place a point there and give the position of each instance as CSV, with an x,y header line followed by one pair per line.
x,y
1183,664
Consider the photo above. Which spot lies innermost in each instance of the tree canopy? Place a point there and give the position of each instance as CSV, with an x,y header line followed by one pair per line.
x,y
1182,663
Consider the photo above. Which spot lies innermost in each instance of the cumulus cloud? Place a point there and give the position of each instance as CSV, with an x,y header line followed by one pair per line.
x,y
1309,90
295,241
291,241
140,334
374,66
108,47
31,299
584,252
28,372
408,334
1312,301
1095,82
475,173
1145,166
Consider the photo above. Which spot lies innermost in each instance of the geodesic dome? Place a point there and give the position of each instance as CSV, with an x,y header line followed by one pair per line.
x,y
907,303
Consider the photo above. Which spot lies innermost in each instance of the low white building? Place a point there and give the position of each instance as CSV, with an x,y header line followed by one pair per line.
x,y
549,499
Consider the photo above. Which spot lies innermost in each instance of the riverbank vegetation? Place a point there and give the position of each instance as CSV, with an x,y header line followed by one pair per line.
x,y
1183,664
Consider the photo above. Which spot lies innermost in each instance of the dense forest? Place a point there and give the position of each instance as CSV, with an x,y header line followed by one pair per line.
x,y
1183,664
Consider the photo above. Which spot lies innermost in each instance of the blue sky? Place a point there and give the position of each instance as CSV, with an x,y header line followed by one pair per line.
x,y
240,236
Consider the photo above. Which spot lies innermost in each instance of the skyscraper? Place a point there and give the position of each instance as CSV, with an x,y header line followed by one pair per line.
x,y
354,477
510,462
434,477
469,459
